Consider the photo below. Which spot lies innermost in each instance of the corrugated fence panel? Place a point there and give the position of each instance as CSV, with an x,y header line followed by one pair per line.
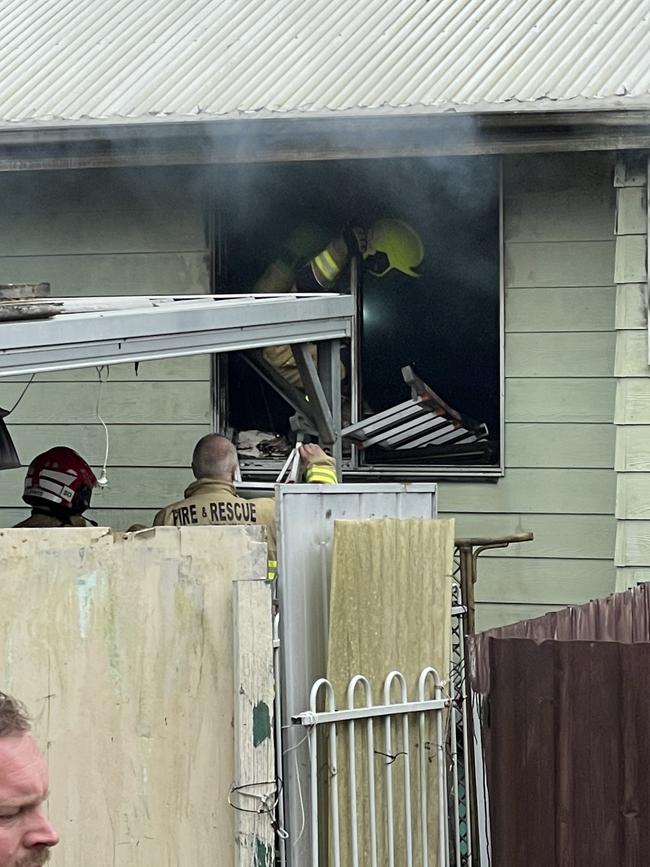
x,y
567,767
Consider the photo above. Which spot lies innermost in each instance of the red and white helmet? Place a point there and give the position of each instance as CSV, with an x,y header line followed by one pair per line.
x,y
59,480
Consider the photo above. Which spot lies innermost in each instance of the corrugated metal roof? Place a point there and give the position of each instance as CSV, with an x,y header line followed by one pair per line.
x,y
138,60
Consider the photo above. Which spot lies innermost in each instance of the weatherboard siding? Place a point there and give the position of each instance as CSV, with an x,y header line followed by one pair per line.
x,y
633,381
560,351
109,233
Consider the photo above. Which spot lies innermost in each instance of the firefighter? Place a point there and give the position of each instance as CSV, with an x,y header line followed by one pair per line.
x,y
212,498
58,487
389,245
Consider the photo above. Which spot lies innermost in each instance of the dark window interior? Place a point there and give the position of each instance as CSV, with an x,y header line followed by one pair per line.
x,y
446,323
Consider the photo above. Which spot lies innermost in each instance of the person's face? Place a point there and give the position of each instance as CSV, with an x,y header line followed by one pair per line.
x,y
25,832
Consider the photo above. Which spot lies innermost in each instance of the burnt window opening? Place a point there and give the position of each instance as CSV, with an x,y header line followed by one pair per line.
x,y
447,323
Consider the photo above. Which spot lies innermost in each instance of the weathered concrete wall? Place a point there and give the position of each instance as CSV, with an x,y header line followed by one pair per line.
x,y
121,647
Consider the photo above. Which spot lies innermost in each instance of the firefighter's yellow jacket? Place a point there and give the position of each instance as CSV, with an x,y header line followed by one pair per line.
x,y
318,274
209,501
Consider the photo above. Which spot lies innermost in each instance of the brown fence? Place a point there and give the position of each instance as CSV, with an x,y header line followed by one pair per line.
x,y
623,617
565,703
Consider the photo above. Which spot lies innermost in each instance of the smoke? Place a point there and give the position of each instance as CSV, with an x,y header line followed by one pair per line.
x,y
448,321
146,230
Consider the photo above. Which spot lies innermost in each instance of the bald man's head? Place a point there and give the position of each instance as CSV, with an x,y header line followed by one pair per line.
x,y
215,457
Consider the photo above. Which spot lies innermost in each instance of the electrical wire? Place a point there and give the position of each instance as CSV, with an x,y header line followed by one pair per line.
x,y
303,818
102,479
22,394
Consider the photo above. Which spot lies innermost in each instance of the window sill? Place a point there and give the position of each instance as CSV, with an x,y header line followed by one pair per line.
x,y
258,470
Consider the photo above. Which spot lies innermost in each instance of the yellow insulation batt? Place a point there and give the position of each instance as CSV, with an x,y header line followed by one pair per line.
x,y
390,608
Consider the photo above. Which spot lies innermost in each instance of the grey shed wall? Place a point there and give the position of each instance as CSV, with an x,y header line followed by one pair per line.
x,y
560,390
101,233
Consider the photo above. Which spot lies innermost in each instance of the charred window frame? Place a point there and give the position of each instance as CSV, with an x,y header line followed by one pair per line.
x,y
356,466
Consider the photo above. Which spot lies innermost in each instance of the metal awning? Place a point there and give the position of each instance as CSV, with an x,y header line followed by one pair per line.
x,y
93,332
87,332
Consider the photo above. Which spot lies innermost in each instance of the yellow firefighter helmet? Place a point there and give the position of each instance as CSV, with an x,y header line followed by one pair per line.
x,y
400,245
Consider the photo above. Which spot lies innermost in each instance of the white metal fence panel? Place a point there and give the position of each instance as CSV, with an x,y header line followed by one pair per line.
x,y
392,733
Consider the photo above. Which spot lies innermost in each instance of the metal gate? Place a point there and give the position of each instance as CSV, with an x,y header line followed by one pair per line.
x,y
402,746
330,755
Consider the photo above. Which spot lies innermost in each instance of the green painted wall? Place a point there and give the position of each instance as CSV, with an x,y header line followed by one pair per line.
x,y
109,233
127,232
560,394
